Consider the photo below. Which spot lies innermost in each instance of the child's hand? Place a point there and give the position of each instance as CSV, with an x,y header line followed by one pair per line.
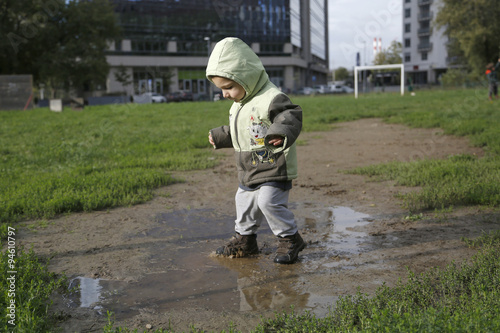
x,y
210,139
276,140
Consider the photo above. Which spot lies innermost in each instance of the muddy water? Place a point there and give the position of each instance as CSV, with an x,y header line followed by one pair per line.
x,y
183,272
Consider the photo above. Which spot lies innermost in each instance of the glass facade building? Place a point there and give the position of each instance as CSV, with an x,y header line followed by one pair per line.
x,y
295,32
166,43
318,43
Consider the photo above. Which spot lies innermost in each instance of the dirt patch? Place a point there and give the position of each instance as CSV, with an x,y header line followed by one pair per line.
x,y
152,264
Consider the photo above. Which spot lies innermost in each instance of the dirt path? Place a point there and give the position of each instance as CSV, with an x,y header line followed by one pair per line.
x,y
152,263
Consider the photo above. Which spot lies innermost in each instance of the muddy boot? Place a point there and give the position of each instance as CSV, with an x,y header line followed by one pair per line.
x,y
239,246
289,248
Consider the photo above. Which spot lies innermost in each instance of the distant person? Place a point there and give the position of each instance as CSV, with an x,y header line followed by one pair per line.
x,y
491,74
263,128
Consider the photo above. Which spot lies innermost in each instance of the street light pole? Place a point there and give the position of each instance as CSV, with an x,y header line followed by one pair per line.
x,y
364,72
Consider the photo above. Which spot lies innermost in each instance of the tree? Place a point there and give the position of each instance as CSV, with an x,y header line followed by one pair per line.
x,y
389,56
456,57
122,76
341,74
474,25
25,26
392,55
61,43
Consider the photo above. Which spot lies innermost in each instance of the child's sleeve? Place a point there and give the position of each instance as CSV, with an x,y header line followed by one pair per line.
x,y
222,137
286,119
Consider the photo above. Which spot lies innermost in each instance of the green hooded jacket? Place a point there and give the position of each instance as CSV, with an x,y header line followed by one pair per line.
x,y
264,111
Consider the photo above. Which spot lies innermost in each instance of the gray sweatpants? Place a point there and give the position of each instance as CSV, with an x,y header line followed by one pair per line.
x,y
267,202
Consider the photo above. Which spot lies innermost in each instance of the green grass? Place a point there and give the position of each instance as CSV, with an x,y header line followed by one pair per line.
x,y
25,299
52,163
459,180
107,156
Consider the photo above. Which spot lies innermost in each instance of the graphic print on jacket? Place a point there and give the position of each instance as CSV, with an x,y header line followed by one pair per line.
x,y
258,131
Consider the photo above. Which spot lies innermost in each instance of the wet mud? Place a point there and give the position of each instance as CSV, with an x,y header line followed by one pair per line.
x,y
186,273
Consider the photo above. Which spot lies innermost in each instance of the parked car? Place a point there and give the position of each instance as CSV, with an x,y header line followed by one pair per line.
x,y
156,98
339,89
336,89
149,97
321,89
305,91
348,90
174,97
179,96
186,95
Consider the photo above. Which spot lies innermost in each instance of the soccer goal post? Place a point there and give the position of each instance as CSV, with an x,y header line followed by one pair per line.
x,y
364,68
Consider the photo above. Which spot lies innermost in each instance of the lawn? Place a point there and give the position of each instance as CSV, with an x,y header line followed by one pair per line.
x,y
116,155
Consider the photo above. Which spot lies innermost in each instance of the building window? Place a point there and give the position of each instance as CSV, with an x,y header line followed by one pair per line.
x,y
295,34
408,12
407,1
407,42
192,47
149,80
276,75
317,33
271,48
424,56
147,46
407,57
408,27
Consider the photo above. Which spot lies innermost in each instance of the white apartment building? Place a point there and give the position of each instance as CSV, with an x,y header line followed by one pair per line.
x,y
424,46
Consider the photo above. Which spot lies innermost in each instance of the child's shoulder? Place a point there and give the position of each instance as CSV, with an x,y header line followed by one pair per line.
x,y
269,91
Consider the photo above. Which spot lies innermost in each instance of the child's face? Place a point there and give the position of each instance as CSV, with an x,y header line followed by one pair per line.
x,y
230,89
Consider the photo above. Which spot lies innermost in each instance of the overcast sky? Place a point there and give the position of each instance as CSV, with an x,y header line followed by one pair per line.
x,y
354,24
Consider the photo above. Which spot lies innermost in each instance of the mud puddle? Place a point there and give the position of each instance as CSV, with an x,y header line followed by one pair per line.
x,y
184,273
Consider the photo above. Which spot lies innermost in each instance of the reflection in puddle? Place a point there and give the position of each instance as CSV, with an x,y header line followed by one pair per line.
x,y
86,292
90,293
263,286
182,273
343,241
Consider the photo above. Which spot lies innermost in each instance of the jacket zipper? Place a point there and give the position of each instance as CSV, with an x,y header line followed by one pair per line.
x,y
236,135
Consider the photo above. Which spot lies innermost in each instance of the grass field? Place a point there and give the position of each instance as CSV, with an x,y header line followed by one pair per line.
x,y
55,163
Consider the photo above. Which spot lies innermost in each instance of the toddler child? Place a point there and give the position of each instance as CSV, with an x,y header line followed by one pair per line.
x,y
263,128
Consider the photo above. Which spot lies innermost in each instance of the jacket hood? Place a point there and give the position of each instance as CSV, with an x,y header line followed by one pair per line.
x,y
233,59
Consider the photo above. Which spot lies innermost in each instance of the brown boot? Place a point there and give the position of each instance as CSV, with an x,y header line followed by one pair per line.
x,y
289,248
239,246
